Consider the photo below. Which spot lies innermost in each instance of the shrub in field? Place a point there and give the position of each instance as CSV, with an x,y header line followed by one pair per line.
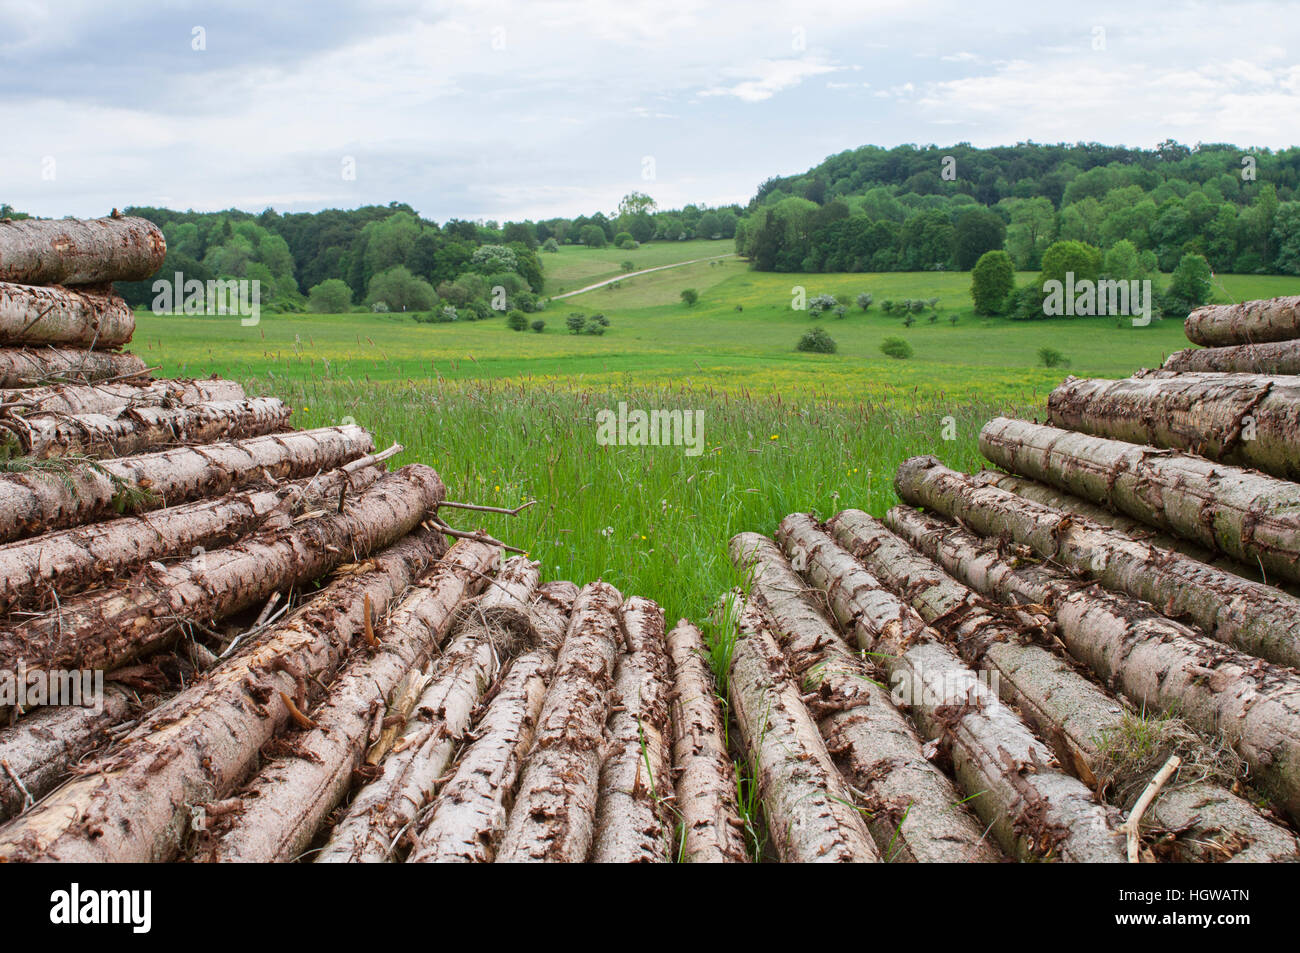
x,y
448,314
331,296
887,306
596,327
896,348
539,325
1051,357
992,280
909,320
575,322
818,341
551,245
839,311
516,321
690,296
629,265
864,300
820,304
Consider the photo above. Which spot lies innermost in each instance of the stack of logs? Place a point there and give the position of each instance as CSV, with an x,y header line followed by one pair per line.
x,y
952,682
299,658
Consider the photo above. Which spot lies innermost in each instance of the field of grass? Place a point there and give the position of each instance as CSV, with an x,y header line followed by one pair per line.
x,y
508,416
576,266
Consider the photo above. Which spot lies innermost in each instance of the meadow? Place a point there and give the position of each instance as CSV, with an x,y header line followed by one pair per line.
x,y
509,416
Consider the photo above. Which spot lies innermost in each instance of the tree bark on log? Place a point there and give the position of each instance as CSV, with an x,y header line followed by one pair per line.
x,y
808,807
490,633
1034,808
106,630
1076,715
706,778
554,814
288,801
53,497
42,366
107,397
1243,419
1253,617
80,251
466,823
1135,529
31,316
633,824
1249,516
1210,825
36,571
196,748
1062,707
1277,357
1158,663
41,748
915,815
137,430
1251,322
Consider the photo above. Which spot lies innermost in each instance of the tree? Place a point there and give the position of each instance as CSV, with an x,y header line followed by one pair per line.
x,y
401,290
539,325
690,296
992,279
1190,285
977,231
516,321
332,296
490,259
575,322
817,341
593,236
864,300
1286,238
896,347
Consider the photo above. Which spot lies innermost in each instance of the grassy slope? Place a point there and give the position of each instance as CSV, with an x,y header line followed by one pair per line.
x,y
507,416
575,266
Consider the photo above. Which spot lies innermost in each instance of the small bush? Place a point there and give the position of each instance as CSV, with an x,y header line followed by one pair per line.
x,y
575,322
690,296
887,306
896,348
596,327
1051,357
516,321
864,300
817,341
539,325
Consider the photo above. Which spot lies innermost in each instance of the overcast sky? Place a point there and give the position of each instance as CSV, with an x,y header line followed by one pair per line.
x,y
549,107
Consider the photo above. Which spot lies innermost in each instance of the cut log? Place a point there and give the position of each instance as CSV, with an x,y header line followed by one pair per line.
x,y
1251,322
34,571
1244,419
1076,715
1205,823
706,778
42,366
197,747
69,493
490,634
1135,529
288,801
468,820
80,251
554,815
40,749
1160,664
1256,618
32,315
107,397
1062,707
914,813
1277,357
633,822
109,629
1249,516
1034,808
809,809
139,429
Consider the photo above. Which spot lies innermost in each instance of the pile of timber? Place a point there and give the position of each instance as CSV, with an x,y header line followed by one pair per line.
x,y
225,639
1089,653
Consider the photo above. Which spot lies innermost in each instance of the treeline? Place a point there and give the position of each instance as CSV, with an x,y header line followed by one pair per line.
x,y
929,208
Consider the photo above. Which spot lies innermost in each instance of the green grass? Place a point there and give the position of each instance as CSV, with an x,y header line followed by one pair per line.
x,y
508,416
576,266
